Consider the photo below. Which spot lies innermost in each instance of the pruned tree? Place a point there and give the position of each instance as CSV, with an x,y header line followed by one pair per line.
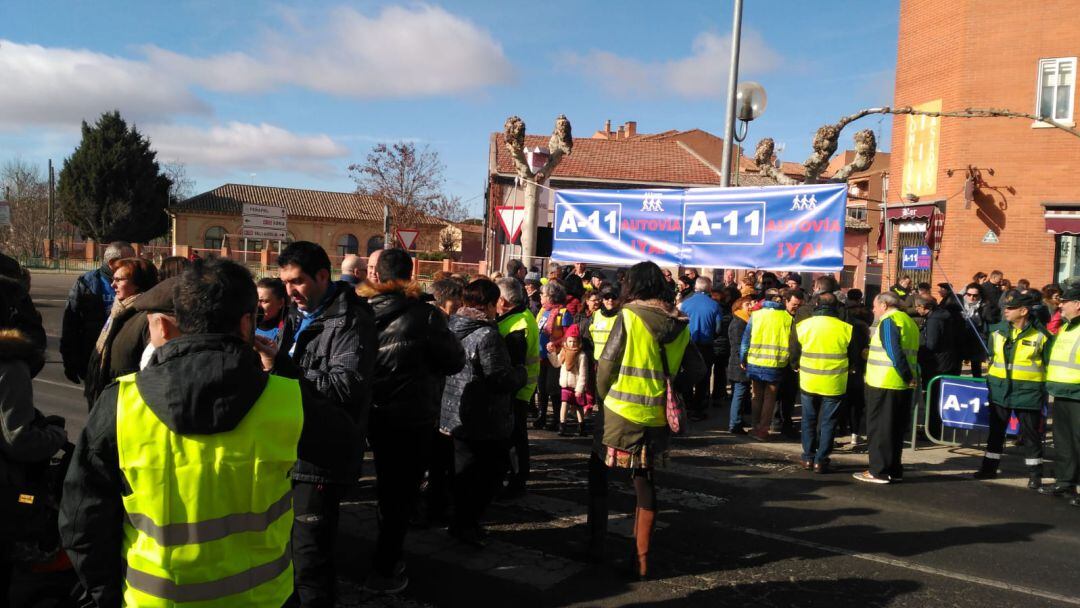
x,y
111,187
827,136
27,192
560,144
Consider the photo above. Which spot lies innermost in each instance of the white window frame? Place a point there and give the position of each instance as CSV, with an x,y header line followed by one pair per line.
x,y
1070,120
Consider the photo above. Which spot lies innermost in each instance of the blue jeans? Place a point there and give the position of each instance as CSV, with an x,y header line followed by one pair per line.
x,y
740,402
817,439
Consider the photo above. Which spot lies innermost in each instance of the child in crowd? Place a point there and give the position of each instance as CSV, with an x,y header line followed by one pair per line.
x,y
573,373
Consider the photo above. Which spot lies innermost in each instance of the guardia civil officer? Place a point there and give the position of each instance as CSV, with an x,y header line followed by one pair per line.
x,y
179,486
1063,382
1019,349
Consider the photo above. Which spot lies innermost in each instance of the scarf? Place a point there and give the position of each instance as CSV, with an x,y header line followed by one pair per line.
x,y
743,314
471,313
108,333
569,356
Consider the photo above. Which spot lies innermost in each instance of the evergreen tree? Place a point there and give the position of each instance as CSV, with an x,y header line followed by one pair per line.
x,y
111,187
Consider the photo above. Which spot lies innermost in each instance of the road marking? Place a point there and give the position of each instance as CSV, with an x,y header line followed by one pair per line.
x,y
899,563
77,387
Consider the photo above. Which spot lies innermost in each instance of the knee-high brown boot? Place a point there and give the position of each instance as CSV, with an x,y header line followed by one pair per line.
x,y
643,529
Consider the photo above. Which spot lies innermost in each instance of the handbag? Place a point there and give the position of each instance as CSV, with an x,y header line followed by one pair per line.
x,y
32,509
674,406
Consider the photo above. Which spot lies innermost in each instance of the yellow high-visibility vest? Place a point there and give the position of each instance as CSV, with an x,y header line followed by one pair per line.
x,y
880,372
1027,361
600,328
1064,364
525,321
823,363
209,517
770,336
639,393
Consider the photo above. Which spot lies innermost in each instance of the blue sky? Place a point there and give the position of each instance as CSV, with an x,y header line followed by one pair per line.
x,y
294,93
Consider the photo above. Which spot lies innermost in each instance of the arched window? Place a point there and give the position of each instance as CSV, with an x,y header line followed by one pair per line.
x,y
347,244
374,244
214,238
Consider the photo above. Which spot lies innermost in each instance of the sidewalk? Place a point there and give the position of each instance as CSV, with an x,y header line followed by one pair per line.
x,y
927,458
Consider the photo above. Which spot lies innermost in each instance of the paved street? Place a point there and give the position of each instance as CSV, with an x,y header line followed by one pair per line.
x,y
740,525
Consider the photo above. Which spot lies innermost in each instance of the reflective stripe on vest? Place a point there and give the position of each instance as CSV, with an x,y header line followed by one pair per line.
x,y
823,363
639,393
600,329
880,372
1027,360
1064,364
209,517
770,335
525,321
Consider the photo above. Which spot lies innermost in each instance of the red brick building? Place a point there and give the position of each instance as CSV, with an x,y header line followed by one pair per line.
x,y
1009,188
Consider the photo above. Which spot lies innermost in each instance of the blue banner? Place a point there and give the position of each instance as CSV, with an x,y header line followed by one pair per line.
x,y
775,227
964,403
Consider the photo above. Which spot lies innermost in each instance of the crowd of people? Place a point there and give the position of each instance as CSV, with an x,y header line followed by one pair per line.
x,y
230,417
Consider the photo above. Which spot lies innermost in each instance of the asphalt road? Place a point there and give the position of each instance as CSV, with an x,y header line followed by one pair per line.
x,y
739,526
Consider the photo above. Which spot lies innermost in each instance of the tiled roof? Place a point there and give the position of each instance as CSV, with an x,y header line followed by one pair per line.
x,y
638,160
230,198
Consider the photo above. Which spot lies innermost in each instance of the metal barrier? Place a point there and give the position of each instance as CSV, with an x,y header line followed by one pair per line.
x,y
928,429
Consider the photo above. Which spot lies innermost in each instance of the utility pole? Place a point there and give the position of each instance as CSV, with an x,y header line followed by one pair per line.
x,y
387,243
733,84
49,244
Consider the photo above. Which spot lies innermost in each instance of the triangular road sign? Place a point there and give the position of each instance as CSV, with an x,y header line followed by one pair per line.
x,y
407,237
511,219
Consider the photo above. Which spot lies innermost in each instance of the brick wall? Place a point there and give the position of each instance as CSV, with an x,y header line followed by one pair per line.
x,y
985,53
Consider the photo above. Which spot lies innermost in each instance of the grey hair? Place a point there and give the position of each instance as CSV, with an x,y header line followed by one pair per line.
x,y
352,262
554,291
115,251
702,284
888,299
511,291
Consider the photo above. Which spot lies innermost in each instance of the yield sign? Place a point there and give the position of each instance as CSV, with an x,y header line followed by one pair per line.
x,y
511,219
407,237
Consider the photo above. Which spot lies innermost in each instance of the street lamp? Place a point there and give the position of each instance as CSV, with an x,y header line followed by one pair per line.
x,y
750,102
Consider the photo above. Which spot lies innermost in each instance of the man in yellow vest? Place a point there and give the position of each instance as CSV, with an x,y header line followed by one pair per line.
x,y
822,348
1019,349
891,372
1063,382
518,328
179,491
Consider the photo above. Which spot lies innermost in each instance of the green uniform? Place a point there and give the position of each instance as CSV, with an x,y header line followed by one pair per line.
x,y
209,517
1017,375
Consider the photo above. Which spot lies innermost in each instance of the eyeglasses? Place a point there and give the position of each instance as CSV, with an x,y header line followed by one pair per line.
x,y
972,295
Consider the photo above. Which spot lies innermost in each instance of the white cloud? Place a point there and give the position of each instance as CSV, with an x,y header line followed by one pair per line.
x,y
401,52
701,75
244,146
56,86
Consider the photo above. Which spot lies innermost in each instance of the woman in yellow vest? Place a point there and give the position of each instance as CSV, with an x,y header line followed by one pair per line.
x,y
647,343
1019,349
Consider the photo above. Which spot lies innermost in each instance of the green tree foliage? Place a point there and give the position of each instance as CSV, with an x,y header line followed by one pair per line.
x,y
111,187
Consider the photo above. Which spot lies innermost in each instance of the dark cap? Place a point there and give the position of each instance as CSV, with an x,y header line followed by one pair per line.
x,y
1072,292
158,298
1015,299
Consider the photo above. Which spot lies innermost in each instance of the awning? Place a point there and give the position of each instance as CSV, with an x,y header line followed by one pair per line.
x,y
1062,224
910,212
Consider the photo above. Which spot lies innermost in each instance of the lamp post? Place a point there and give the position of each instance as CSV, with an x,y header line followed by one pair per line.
x,y
750,101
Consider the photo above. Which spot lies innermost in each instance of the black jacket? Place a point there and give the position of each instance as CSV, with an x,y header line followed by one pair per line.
x,y
84,316
939,344
735,372
122,353
25,436
476,401
197,385
416,352
335,354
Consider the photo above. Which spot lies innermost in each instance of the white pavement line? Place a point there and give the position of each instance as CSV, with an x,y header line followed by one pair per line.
x,y
899,563
77,387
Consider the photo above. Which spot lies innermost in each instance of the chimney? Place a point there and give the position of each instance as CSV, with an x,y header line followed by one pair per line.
x,y
631,128
621,134
607,127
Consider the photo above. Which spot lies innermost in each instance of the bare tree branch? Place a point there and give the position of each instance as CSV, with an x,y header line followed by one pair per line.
x,y
827,136
763,157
